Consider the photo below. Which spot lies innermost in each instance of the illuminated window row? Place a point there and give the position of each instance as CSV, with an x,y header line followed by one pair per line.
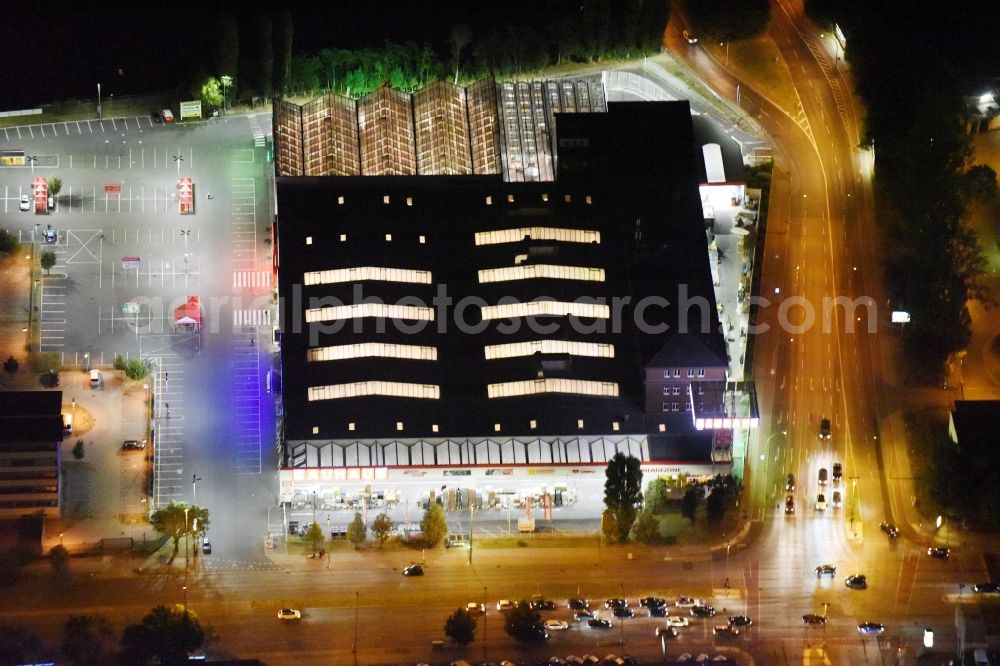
x,y
553,385
361,273
537,233
366,349
542,309
514,349
373,387
549,271
382,310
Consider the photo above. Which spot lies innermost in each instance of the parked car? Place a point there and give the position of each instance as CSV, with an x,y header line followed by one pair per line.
x,y
740,621
657,611
678,621
856,582
826,569
542,605
668,631
167,115
702,610
96,379
622,611
616,603
206,546
596,623
685,601
578,604
813,618
133,445
871,628
583,614
474,608
650,602
25,204
986,588
413,570
725,630
556,625
289,614
505,605
939,553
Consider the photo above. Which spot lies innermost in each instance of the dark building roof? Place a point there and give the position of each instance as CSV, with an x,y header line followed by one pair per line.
x,y
977,424
30,416
620,229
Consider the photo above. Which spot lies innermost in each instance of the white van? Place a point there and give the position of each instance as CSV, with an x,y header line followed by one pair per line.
x,y
96,379
980,658
68,423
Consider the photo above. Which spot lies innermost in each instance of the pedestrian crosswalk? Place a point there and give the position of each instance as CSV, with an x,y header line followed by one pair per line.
x,y
251,279
258,133
251,317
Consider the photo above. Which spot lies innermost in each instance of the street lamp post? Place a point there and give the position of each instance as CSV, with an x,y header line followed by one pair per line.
x,y
187,540
194,488
486,597
621,620
472,522
354,648
226,81
99,116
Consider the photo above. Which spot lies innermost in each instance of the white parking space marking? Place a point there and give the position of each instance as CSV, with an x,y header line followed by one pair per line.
x,y
251,317
251,279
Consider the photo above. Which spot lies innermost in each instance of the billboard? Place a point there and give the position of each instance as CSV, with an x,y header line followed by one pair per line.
x,y
190,110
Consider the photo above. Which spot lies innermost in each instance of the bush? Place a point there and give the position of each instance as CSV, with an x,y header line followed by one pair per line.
x,y
135,369
8,243
78,449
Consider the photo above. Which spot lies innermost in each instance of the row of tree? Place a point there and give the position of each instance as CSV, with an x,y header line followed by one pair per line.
x,y
433,529
924,186
522,622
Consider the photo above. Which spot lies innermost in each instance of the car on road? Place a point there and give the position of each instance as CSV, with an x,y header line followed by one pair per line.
x,y
25,202
616,603
206,546
691,39
856,582
622,611
538,633
702,610
578,604
790,504
678,621
871,628
658,611
838,472
821,502
824,429
822,476
556,625
583,614
837,499
986,588
740,621
597,623
813,618
413,570
939,553
474,608
685,601
542,605
505,605
133,445
650,602
668,631
289,614
889,529
790,483
725,630
826,569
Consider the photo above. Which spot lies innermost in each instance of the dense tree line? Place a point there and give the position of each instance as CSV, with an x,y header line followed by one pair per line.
x,y
911,84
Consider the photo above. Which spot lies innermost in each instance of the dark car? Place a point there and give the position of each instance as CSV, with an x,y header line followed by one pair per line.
x,y
578,604
889,529
871,628
650,602
538,633
822,476
826,569
790,483
595,623
740,621
939,553
824,429
583,614
616,603
838,472
658,611
668,632
813,618
542,605
856,582
986,588
702,611
133,445
206,546
413,570
623,611
790,504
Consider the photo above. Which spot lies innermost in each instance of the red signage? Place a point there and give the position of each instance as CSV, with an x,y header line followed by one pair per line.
x,y
112,188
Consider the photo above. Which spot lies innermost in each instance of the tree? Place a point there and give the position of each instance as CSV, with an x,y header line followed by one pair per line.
x,y
979,183
647,528
523,622
11,365
283,32
314,536
88,640
460,627
169,634
135,369
656,495
227,48
609,526
434,525
210,93
59,559
623,491
381,527
690,503
357,531
8,242
78,449
728,20
119,362
55,185
177,520
723,491
48,260
461,36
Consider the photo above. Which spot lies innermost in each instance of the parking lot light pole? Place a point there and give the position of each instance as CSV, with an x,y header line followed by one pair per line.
x,y
486,597
194,488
